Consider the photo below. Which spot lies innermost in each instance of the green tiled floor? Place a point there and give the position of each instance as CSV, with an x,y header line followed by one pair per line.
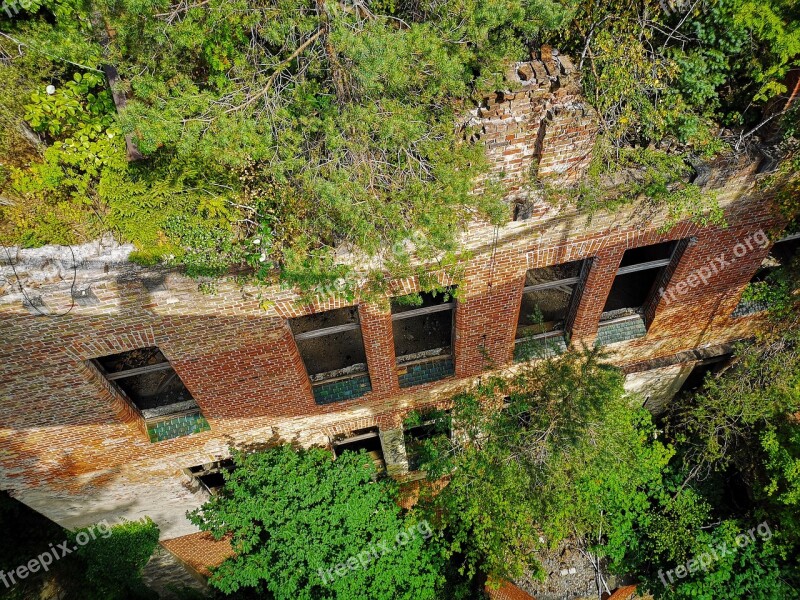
x,y
426,372
539,348
177,427
611,333
344,389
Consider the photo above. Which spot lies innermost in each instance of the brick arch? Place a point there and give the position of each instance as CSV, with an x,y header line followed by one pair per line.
x,y
103,345
345,427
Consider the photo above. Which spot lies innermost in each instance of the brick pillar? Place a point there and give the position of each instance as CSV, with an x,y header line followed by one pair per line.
x,y
595,292
566,144
376,329
681,255
297,372
486,322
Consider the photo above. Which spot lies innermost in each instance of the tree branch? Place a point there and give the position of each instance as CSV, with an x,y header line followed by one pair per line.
x,y
21,44
281,66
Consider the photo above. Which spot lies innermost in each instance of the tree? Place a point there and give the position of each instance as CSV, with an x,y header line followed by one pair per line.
x,y
283,134
663,77
112,562
721,423
567,457
105,561
306,125
736,464
305,526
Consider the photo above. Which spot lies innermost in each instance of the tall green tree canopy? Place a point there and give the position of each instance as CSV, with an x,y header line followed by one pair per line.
x,y
285,133
305,126
568,457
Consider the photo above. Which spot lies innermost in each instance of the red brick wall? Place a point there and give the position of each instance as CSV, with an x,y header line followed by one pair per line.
x,y
376,328
541,125
75,451
59,420
198,551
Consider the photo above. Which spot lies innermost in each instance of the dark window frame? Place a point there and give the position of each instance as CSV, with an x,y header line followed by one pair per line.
x,y
661,279
369,433
326,331
427,429
451,306
200,473
574,299
762,271
112,378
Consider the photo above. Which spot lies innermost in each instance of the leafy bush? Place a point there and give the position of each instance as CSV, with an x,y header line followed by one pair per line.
x,y
294,516
737,457
567,457
318,125
112,561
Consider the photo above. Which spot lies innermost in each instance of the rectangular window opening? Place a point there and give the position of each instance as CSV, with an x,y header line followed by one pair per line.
x,y
434,424
705,368
147,379
363,439
211,475
330,344
547,297
423,338
781,254
639,273
424,330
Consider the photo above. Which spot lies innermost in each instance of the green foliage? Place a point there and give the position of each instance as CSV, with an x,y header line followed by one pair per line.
x,y
659,178
739,427
776,291
321,127
662,76
720,422
309,134
753,43
779,489
207,250
540,467
657,68
568,457
316,134
755,567
620,176
783,464
145,258
665,531
293,515
440,418
113,559
81,104
57,195
15,148
431,286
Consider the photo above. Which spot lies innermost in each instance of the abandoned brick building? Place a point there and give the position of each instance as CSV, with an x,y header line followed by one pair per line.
x,y
123,387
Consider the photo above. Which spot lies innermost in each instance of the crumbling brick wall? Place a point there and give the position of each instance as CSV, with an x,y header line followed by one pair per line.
x,y
74,450
541,129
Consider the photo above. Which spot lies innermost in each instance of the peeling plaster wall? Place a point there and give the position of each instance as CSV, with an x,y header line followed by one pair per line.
x,y
655,388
